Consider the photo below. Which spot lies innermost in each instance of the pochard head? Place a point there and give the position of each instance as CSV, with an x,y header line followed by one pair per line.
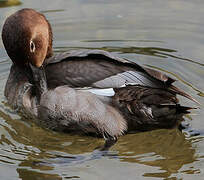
x,y
27,37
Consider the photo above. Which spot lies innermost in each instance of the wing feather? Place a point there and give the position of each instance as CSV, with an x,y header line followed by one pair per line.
x,y
100,69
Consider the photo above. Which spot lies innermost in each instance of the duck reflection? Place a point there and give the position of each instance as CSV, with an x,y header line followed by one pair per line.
x,y
168,150
33,148
25,132
25,174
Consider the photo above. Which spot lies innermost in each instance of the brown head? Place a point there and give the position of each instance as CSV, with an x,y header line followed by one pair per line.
x,y
27,37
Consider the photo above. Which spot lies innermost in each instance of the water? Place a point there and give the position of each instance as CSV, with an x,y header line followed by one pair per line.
x,y
164,35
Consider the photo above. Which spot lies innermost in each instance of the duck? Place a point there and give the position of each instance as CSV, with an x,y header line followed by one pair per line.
x,y
89,92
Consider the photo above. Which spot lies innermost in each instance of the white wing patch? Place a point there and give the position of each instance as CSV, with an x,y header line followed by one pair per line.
x,y
102,92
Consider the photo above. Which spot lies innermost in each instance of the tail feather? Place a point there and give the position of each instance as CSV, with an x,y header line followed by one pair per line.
x,y
148,108
168,116
169,110
182,93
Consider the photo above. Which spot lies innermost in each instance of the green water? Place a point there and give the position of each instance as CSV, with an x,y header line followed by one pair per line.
x,y
162,34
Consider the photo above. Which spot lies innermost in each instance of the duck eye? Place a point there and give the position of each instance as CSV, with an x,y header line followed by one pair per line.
x,y
32,46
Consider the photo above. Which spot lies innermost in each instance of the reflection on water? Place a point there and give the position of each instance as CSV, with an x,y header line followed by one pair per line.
x,y
149,51
168,150
36,148
26,174
164,35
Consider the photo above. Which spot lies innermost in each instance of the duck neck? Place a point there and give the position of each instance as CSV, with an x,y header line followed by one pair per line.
x,y
39,78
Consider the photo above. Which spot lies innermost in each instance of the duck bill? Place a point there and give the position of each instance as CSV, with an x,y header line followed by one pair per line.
x,y
39,79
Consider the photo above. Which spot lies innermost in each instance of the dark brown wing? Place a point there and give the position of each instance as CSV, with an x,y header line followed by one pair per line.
x,y
149,108
100,69
87,67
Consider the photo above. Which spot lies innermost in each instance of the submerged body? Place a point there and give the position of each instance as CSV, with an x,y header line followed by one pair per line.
x,y
66,95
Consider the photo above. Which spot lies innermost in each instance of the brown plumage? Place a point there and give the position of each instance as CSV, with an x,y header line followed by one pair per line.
x,y
70,92
148,108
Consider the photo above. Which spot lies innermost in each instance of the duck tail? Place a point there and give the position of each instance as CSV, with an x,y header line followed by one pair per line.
x,y
169,115
182,93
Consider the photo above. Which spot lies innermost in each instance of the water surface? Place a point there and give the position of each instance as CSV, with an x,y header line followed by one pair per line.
x,y
161,34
